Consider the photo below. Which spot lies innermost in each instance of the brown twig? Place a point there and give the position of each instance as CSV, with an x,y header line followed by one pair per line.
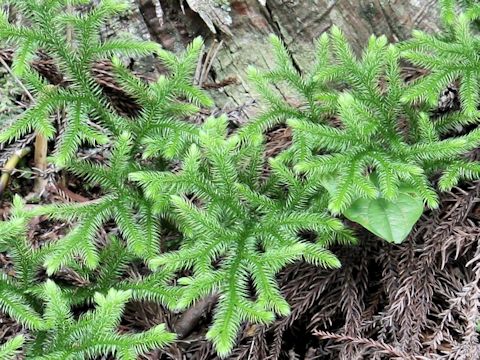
x,y
40,156
203,67
209,62
17,80
10,166
190,318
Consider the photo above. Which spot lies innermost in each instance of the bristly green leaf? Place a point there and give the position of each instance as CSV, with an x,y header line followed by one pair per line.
x,y
9,349
448,13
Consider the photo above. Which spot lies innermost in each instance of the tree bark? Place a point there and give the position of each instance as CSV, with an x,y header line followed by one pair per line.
x,y
297,22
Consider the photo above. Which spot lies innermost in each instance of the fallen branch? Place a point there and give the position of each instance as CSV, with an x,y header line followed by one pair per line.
x,y
191,317
41,147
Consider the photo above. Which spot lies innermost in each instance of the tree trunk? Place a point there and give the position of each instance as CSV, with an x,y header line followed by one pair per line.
x,y
298,23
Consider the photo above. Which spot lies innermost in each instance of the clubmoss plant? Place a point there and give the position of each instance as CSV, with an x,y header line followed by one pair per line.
x,y
237,230
366,145
44,309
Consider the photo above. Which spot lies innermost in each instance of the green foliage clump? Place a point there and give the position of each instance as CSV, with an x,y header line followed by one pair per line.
x,y
311,97
363,139
237,229
94,333
121,202
90,120
45,309
378,133
84,103
449,56
373,142
162,106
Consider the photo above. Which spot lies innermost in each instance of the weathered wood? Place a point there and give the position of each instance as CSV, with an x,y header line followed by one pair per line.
x,y
297,22
244,26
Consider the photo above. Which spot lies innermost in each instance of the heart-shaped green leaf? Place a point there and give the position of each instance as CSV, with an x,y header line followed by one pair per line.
x,y
390,220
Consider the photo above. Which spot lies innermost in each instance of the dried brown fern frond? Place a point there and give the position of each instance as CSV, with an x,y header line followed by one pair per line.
x,y
102,71
376,346
307,288
417,300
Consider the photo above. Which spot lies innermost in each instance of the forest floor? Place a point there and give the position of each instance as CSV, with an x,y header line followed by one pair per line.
x,y
416,300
